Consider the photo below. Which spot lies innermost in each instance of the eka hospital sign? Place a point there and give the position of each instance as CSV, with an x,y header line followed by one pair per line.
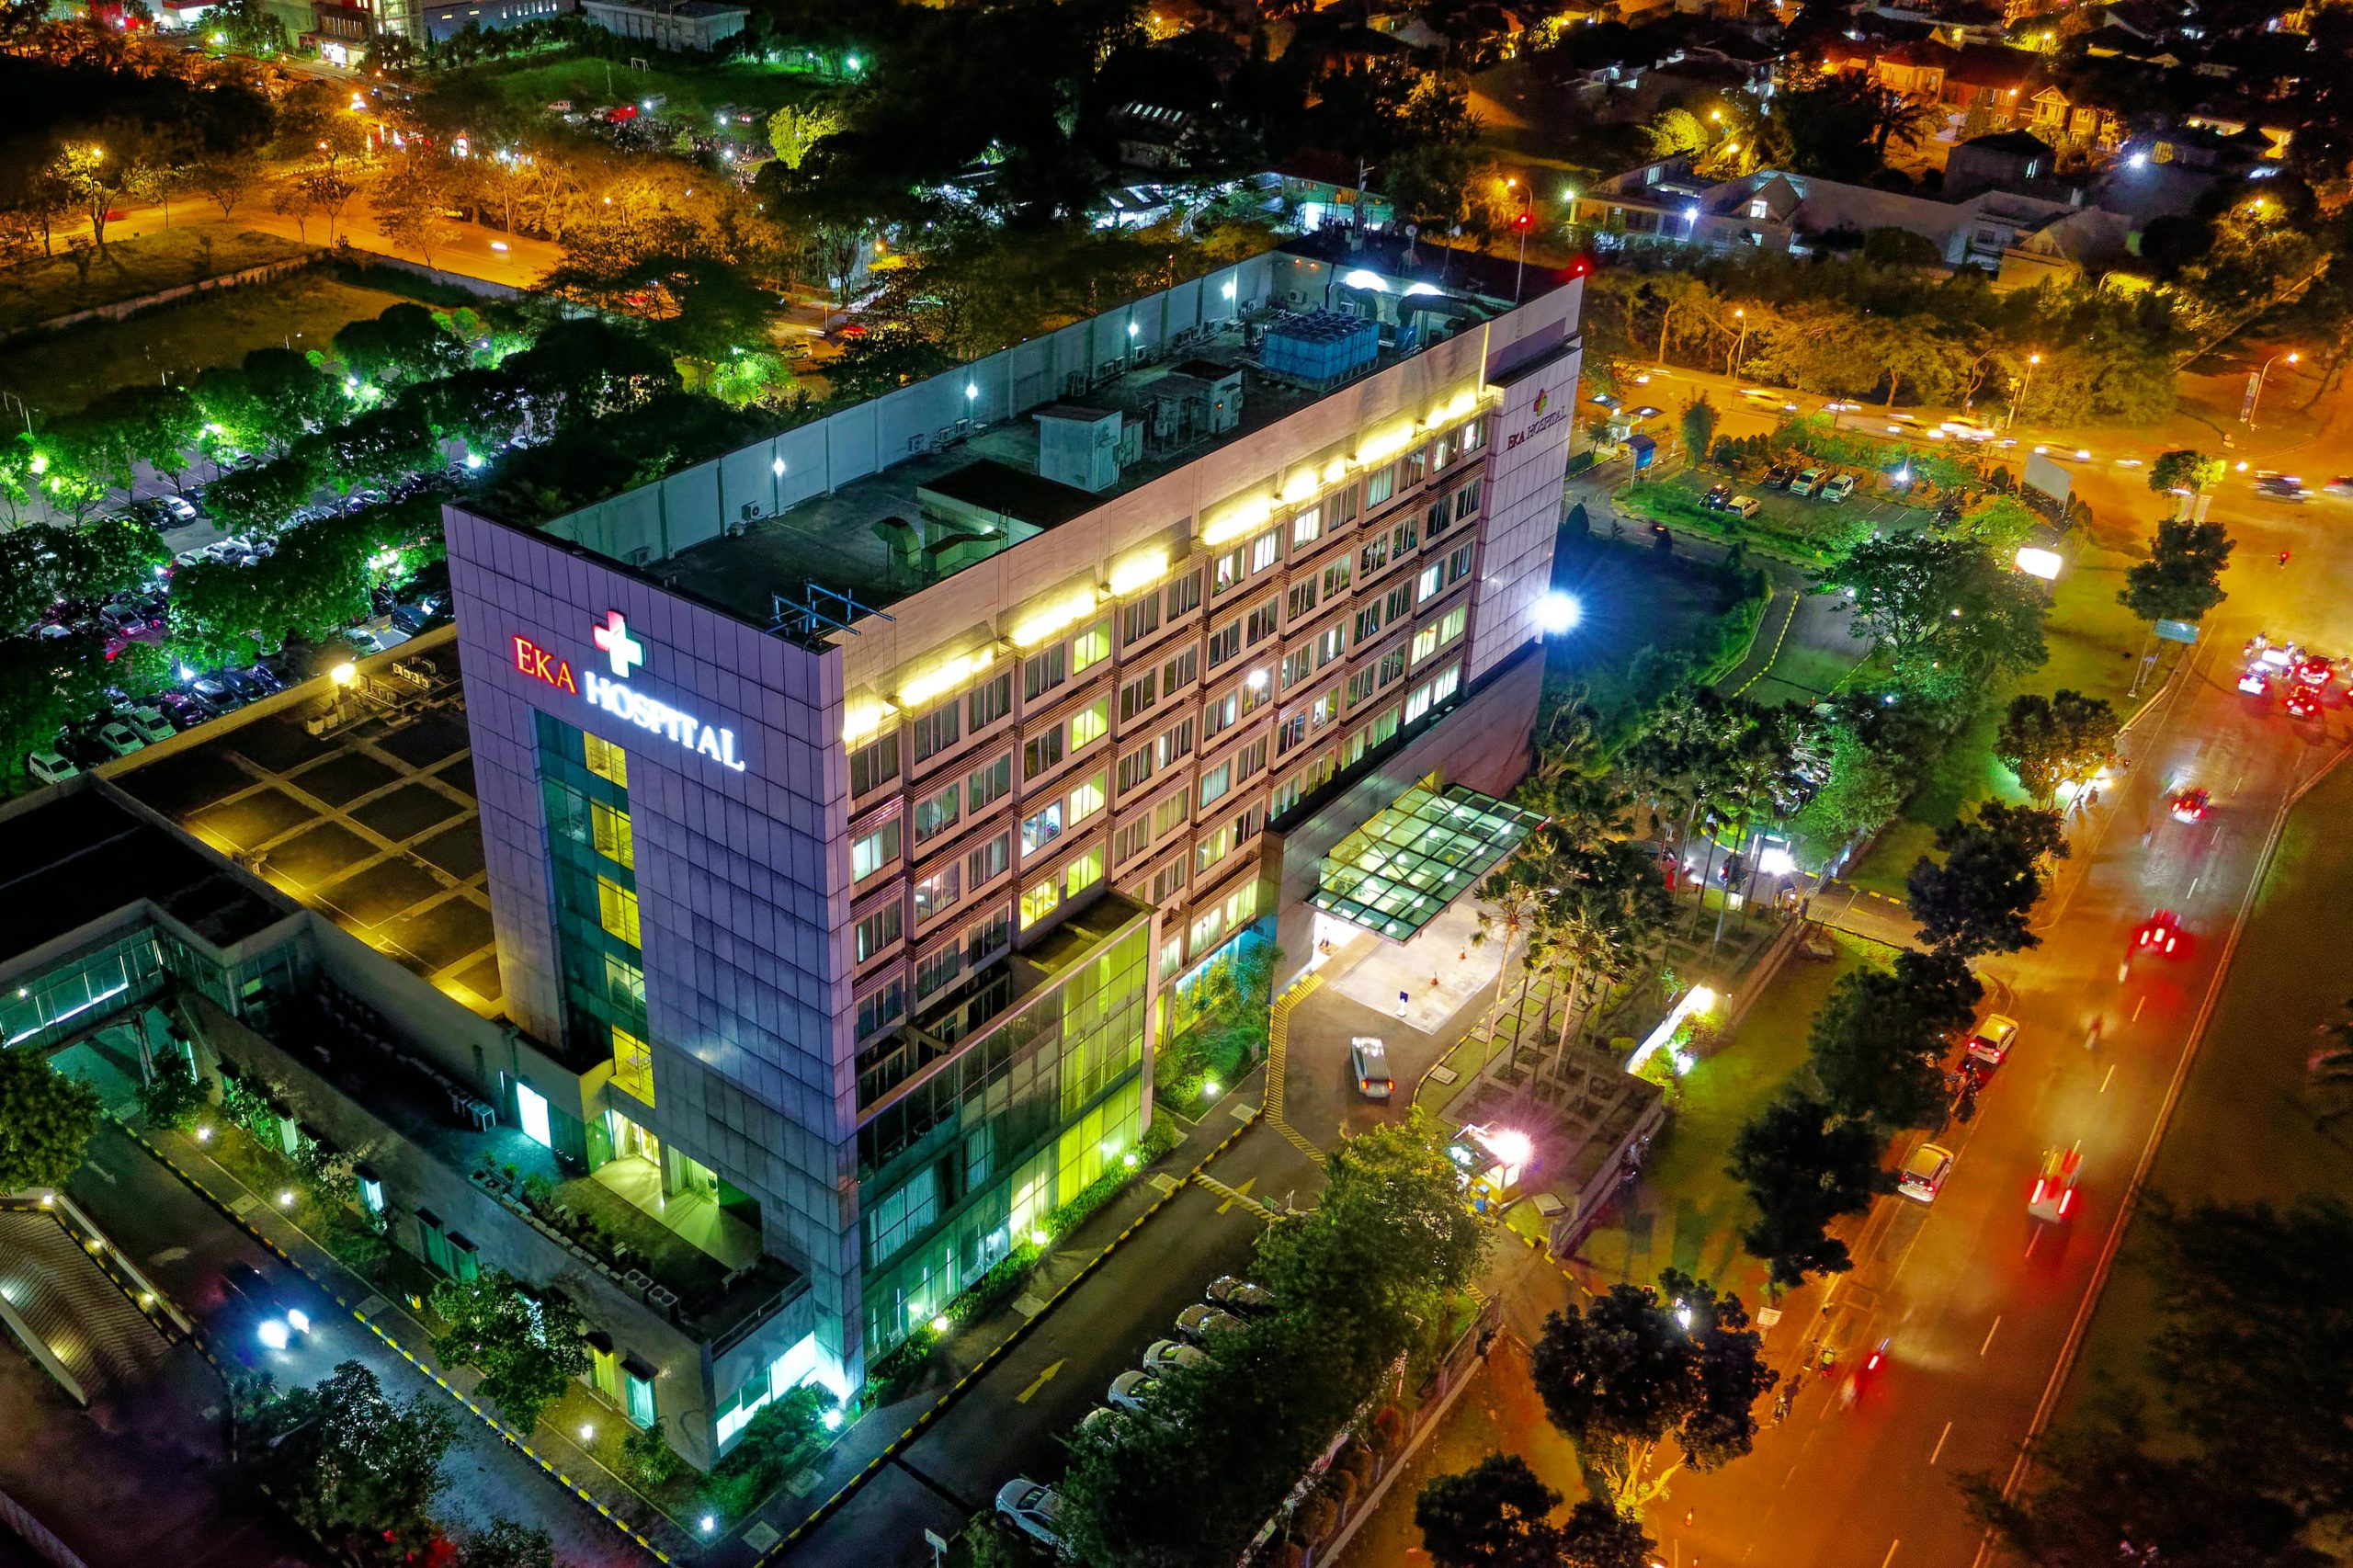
x,y
613,693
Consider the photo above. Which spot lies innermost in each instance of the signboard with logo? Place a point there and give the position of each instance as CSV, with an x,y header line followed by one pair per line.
x,y
623,654
1543,416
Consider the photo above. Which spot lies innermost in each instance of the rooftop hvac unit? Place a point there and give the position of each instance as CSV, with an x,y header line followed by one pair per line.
x,y
1322,349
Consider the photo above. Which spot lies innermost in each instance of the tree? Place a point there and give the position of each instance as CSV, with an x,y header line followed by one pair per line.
x,y
1803,1169
96,176
1879,1042
503,1543
1998,524
401,344
527,1348
1598,1536
413,207
46,1121
796,127
2098,1495
1640,1366
355,1464
2252,1344
326,190
1942,608
1698,427
264,496
1495,1515
2182,579
1862,790
2184,471
2054,741
1978,901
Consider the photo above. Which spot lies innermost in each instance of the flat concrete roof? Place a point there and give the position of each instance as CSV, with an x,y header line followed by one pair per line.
x,y
84,855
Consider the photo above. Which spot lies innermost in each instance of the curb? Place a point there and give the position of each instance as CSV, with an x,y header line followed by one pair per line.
x,y
949,1395
487,1419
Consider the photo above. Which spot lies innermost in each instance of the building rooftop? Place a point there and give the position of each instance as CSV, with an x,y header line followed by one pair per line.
x,y
82,855
889,496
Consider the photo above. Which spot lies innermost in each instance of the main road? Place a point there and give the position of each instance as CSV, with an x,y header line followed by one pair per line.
x,y
1975,1305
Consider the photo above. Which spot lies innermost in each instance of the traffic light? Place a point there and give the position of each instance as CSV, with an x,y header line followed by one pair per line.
x,y
1524,223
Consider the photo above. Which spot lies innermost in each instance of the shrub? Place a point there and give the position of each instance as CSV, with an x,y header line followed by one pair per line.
x,y
648,1463
1388,1429
170,1098
1315,1519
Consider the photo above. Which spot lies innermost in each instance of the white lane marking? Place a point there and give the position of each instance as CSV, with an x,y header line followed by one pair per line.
x,y
1941,1443
1890,1552
2111,1072
2033,1237
2138,1006
1989,1337
2194,881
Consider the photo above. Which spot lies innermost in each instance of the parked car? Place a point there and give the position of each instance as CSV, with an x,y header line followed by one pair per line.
x,y
119,739
413,618
1166,1356
1778,477
1368,1064
1745,507
149,725
185,712
1716,499
1923,1174
1240,1296
1131,1390
277,1321
1992,1039
1197,1323
1032,1508
247,689
214,693
264,677
51,767
1807,482
1837,487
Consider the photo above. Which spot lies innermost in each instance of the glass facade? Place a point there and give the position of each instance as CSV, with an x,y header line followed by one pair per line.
x,y
592,854
982,1147
130,969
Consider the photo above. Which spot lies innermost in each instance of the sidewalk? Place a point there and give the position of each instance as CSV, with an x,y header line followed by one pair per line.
x,y
974,1346
578,1472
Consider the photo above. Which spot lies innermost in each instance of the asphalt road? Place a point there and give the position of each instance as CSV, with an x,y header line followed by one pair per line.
x,y
182,1241
1010,1421
1978,1305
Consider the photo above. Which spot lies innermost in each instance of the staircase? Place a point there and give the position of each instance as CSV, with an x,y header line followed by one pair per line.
x,y
59,1292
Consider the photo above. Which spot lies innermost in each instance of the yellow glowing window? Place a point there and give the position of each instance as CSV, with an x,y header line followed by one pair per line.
x,y
605,760
617,910
1084,873
632,1066
613,840
1089,723
1086,800
1090,647
1040,901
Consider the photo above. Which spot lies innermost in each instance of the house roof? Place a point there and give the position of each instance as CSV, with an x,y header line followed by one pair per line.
x,y
1991,65
2017,143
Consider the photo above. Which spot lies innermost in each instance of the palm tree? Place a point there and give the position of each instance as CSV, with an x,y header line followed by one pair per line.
x,y
1611,907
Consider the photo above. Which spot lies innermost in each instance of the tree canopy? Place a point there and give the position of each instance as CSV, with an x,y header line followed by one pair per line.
x,y
1978,901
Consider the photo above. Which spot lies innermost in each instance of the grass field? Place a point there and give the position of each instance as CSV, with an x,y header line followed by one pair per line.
x,y
594,84
45,288
1688,1213
2245,1131
60,372
2093,641
1811,531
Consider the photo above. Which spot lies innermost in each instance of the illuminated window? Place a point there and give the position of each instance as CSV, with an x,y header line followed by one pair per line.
x,y
605,759
613,840
532,1111
1307,527
936,892
876,850
1089,723
1425,643
617,910
1090,647
1040,901
1084,873
624,983
877,931
1380,487
1451,627
1086,800
1264,549
1041,829
632,1066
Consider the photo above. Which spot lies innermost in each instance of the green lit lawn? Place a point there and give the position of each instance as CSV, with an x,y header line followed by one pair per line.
x,y
1634,599
45,288
59,373
2244,1131
596,84
2093,641
1794,526
1687,1212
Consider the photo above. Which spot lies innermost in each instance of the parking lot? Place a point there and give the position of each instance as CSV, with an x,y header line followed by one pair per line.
x,y
374,825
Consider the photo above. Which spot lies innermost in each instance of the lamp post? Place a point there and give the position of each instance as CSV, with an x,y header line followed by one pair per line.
x,y
1741,315
2291,356
2019,390
1525,222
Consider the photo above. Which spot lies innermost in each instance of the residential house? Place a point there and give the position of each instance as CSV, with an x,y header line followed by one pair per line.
x,y
2001,160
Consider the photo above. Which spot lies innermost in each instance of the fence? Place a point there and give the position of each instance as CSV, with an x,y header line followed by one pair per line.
x,y
45,1545
1431,1401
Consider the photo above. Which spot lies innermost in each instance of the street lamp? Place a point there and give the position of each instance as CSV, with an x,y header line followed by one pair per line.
x,y
2019,390
1525,222
1733,369
2256,396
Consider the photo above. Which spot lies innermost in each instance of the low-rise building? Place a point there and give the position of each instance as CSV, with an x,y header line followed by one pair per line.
x,y
697,26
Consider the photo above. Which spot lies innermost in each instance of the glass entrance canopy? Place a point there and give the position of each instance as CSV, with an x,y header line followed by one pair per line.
x,y
1418,855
